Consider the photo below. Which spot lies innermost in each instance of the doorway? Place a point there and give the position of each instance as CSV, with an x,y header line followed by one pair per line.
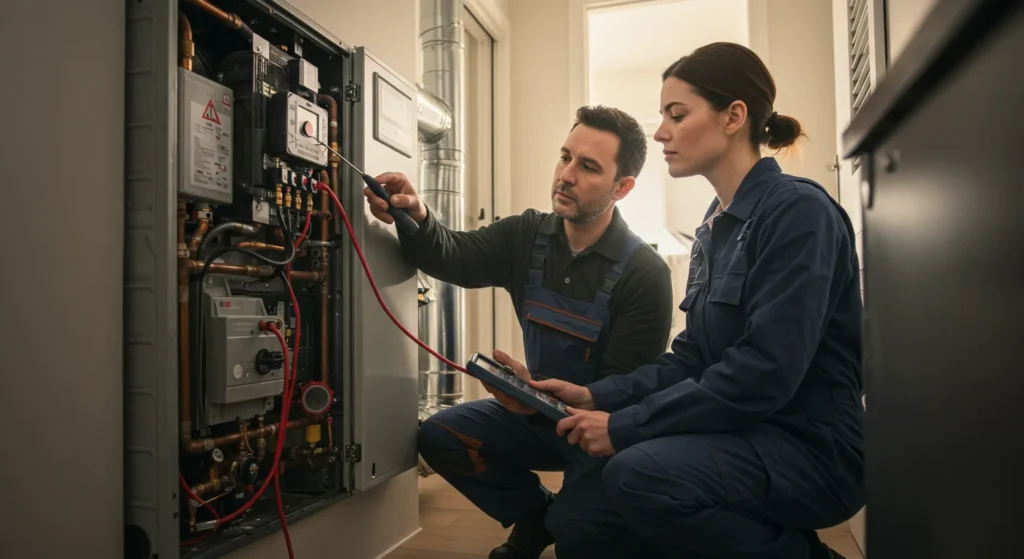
x,y
479,179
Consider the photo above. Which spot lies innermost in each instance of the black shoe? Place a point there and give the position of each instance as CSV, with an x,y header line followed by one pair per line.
x,y
819,550
529,538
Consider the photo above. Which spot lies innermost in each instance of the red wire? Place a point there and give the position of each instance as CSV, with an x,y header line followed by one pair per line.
x,y
373,284
286,406
289,382
289,389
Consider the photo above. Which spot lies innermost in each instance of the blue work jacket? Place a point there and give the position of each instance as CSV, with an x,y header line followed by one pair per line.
x,y
773,326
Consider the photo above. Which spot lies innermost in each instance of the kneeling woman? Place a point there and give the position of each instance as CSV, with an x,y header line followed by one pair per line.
x,y
746,437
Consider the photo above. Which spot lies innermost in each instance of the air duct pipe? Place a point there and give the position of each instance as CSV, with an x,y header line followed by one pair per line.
x,y
442,187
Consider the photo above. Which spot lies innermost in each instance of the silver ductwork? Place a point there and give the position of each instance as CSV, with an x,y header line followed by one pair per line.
x,y
442,187
433,116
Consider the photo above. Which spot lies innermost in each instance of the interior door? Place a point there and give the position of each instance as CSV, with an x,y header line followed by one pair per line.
x,y
479,180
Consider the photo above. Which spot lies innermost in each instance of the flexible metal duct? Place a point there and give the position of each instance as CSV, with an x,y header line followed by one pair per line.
x,y
442,134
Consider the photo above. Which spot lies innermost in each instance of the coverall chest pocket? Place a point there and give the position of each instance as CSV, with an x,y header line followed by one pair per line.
x,y
726,315
565,338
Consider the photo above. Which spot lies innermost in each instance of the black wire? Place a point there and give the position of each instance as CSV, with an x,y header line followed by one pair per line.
x,y
252,254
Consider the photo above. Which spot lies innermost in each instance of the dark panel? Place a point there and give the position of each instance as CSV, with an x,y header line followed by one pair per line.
x,y
942,241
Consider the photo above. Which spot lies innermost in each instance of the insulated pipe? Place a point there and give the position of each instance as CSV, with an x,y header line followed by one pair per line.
x,y
442,323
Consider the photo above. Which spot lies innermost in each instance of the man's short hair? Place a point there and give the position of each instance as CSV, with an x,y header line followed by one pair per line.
x,y
632,141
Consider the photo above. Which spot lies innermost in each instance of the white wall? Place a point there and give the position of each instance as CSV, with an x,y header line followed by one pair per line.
x,y
62,155
369,524
902,19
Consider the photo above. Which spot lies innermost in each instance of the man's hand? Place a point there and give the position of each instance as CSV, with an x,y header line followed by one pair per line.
x,y
509,402
589,429
403,196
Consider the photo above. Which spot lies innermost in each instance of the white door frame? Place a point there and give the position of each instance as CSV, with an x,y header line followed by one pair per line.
x,y
496,23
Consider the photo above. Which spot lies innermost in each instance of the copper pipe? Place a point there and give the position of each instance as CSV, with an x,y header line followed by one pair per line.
x,y
184,355
187,47
197,236
253,271
261,443
332,137
206,444
211,486
259,246
231,20
330,434
324,299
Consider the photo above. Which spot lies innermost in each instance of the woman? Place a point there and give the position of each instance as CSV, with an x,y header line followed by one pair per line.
x,y
746,437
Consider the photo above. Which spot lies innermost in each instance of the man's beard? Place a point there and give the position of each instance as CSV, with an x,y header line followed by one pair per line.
x,y
577,212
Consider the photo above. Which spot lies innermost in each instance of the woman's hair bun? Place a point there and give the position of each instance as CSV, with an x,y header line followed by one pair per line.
x,y
782,131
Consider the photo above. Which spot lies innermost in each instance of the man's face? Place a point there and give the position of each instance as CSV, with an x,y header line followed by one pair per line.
x,y
584,185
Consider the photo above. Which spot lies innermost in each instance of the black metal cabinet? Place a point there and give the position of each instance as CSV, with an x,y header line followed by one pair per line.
x,y
943,247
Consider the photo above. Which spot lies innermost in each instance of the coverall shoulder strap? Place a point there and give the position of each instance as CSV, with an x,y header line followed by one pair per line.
x,y
539,252
604,293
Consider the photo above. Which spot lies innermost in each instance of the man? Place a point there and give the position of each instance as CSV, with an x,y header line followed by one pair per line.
x,y
593,301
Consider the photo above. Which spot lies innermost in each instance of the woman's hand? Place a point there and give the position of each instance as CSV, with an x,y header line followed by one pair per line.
x,y
589,429
510,403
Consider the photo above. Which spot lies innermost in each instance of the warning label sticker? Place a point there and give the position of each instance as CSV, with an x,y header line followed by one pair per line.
x,y
211,113
211,147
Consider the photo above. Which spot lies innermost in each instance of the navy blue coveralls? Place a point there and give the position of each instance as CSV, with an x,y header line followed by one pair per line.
x,y
506,447
748,434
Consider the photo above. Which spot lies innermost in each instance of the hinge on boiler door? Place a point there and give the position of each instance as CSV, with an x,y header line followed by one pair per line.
x,y
353,93
353,453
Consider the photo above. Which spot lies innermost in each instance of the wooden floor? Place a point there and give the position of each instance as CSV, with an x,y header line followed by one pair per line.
x,y
454,529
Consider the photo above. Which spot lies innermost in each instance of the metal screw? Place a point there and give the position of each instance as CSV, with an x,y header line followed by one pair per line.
x,y
890,161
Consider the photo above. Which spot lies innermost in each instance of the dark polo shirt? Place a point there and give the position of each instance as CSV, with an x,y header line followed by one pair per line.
x,y
499,255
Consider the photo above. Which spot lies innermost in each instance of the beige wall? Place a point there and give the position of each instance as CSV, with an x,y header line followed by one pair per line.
x,y
367,525
805,82
540,121
540,93
903,18
63,119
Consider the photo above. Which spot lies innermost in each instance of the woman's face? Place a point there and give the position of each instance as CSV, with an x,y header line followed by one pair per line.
x,y
694,134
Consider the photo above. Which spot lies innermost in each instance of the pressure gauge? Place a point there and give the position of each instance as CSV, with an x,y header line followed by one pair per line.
x,y
316,398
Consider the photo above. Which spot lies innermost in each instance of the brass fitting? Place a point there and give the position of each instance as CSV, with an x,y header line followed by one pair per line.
x,y
313,435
